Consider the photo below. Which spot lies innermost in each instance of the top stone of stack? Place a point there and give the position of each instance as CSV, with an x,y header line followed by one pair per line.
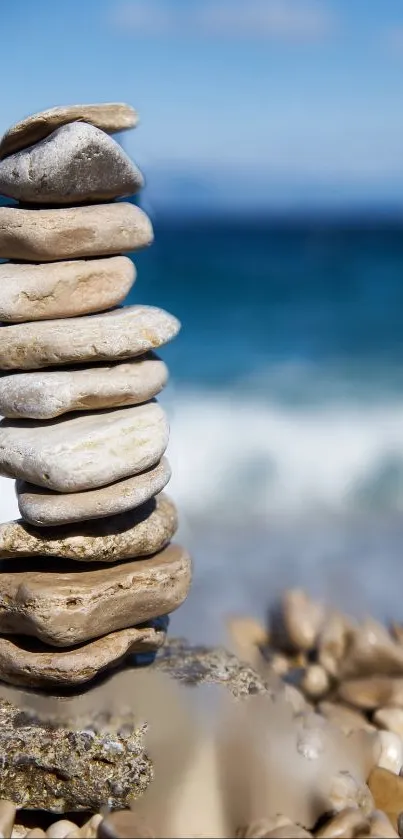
x,y
110,117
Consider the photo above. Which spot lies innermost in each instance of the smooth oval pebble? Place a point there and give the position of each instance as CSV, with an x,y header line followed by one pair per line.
x,y
63,289
37,666
139,532
70,607
60,829
120,334
391,756
110,117
73,232
75,163
390,718
50,393
42,507
85,451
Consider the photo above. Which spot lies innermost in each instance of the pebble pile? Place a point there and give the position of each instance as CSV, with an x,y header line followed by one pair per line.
x,y
91,572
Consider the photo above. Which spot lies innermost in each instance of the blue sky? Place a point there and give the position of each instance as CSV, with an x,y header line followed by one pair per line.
x,y
277,101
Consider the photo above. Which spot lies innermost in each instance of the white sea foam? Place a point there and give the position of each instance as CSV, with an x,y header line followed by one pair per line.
x,y
233,456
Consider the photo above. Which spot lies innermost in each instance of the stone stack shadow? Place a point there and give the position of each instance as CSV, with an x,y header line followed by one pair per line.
x,y
89,573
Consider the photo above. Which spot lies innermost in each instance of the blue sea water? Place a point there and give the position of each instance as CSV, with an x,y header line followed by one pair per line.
x,y
286,409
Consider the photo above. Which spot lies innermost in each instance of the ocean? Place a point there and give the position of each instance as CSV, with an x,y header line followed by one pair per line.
x,y
286,408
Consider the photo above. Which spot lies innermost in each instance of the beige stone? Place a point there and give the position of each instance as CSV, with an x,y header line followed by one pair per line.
x,y
110,117
348,790
391,756
372,692
333,642
302,618
390,718
85,451
292,831
71,607
371,651
73,232
125,824
63,289
76,163
60,829
47,394
111,336
139,532
34,665
315,682
42,507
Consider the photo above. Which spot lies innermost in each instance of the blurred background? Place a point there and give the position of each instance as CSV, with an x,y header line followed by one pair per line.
x,y
271,138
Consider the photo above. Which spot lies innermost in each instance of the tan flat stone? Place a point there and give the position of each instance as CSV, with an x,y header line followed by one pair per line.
x,y
372,692
67,608
111,336
63,289
73,232
110,117
139,532
49,393
75,163
84,451
42,507
37,666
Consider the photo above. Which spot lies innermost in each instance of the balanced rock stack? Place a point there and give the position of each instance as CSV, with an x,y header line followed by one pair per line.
x,y
89,572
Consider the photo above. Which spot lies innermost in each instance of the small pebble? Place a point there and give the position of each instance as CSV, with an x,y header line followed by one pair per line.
x,y
60,829
259,829
315,682
36,833
387,791
389,718
302,619
291,831
391,756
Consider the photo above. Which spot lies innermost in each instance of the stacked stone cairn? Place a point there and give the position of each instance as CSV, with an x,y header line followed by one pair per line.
x,y
89,573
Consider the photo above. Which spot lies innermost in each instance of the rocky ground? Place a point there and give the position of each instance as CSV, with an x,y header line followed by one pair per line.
x,y
298,733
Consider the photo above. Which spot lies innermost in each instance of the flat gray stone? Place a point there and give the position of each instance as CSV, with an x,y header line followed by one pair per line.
x,y
42,507
73,232
64,608
109,116
63,289
139,532
75,163
49,393
84,451
119,334
96,754
34,665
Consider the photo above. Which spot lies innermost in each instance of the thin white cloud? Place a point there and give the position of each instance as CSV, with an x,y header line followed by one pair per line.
x,y
301,20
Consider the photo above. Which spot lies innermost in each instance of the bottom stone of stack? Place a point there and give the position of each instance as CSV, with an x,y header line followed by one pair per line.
x,y
38,666
64,605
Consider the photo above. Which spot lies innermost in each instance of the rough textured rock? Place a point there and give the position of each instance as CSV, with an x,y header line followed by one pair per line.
x,y
65,769
110,117
122,333
44,507
75,163
139,532
63,289
50,393
84,451
72,232
35,666
70,607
